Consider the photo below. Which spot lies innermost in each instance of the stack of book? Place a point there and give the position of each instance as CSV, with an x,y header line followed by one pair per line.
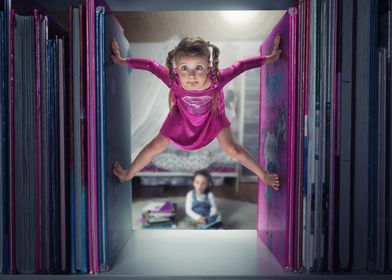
x,y
159,214
60,210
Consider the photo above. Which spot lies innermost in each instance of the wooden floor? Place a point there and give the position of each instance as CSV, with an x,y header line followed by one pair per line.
x,y
247,191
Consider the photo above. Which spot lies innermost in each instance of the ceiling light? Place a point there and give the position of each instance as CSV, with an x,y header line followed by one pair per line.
x,y
238,17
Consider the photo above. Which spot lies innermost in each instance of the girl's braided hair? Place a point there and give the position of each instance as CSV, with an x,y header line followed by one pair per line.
x,y
195,46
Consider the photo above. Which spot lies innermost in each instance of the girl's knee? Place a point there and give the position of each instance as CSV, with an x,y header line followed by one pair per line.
x,y
233,150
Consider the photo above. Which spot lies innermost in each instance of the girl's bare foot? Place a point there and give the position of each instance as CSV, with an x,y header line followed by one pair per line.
x,y
120,172
272,180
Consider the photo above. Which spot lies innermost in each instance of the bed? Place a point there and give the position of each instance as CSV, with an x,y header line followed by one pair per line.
x,y
175,166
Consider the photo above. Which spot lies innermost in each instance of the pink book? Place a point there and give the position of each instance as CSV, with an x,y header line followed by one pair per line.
x,y
275,214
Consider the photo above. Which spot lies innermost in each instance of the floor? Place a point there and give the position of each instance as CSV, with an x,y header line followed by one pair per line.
x,y
235,214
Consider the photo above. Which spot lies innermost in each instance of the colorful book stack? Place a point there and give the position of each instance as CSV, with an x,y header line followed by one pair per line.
x,y
159,214
99,127
325,128
62,210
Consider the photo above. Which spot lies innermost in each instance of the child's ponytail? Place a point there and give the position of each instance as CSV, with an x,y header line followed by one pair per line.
x,y
215,68
169,65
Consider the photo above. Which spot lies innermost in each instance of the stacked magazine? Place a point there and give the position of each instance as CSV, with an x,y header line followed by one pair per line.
x,y
159,214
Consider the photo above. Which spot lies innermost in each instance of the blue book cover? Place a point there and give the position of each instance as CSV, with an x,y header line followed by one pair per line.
x,y
103,146
101,135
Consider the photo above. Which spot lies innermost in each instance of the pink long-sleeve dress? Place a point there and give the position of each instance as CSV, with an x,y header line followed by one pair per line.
x,y
191,124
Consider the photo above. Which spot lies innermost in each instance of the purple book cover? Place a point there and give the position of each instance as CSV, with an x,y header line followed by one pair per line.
x,y
276,141
91,139
93,115
89,211
167,207
91,134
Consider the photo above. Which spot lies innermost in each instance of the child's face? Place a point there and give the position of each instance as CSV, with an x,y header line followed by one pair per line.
x,y
200,183
193,71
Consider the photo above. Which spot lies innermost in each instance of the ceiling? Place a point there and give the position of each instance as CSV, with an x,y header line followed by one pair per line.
x,y
211,25
171,5
160,20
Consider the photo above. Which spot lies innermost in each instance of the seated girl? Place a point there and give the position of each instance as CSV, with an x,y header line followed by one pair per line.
x,y
200,206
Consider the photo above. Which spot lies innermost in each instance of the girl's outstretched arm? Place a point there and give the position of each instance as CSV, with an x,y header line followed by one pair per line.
x,y
150,65
229,73
140,63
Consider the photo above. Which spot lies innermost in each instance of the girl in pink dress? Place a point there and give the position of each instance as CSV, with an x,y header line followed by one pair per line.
x,y
196,100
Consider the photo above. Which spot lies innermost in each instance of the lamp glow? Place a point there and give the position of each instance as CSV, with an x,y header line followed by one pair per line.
x,y
238,17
